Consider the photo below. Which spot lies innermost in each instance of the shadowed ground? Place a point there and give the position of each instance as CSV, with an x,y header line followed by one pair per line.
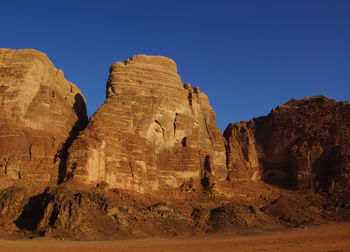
x,y
331,237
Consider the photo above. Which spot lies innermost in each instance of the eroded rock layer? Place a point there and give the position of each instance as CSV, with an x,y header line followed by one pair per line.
x,y
303,144
39,112
152,132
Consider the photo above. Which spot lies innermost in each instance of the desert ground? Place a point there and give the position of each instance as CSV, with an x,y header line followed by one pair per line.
x,y
329,237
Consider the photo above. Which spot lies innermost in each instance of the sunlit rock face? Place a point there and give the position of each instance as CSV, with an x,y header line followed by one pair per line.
x,y
242,153
151,133
39,112
303,144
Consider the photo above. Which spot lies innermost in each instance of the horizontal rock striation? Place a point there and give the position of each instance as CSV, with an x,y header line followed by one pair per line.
x,y
39,112
151,133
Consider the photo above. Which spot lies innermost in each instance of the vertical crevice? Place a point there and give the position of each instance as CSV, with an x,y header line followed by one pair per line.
x,y
30,152
206,182
184,142
81,123
6,164
190,98
176,114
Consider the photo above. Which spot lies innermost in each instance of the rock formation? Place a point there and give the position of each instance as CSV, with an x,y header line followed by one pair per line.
x,y
303,144
151,160
151,133
39,113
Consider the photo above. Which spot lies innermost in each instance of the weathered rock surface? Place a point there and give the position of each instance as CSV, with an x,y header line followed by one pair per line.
x,y
39,112
151,133
242,153
233,217
303,144
12,201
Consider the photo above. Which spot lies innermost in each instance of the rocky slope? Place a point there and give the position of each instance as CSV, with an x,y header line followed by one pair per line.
x,y
39,112
84,213
152,133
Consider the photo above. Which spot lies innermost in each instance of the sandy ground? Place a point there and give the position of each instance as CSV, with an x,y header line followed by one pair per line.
x,y
328,238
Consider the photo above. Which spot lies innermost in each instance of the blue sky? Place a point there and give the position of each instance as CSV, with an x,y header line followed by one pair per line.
x,y
247,56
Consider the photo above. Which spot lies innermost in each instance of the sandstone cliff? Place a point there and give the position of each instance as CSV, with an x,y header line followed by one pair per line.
x,y
155,142
40,112
303,144
151,133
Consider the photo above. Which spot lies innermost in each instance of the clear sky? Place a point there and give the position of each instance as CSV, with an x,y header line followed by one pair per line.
x,y
247,56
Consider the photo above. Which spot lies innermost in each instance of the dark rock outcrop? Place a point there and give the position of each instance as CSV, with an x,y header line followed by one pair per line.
x,y
303,144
